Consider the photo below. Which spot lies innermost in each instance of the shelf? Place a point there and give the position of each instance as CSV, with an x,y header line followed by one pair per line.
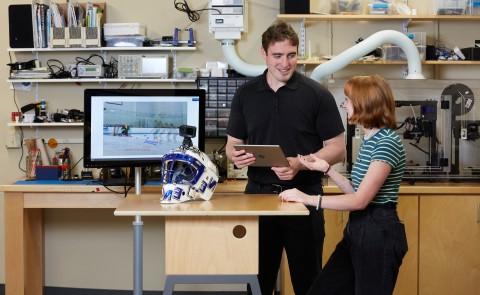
x,y
96,80
163,48
366,17
400,62
53,124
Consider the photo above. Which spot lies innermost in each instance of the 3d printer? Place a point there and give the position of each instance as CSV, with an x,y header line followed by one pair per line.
x,y
465,131
427,151
441,136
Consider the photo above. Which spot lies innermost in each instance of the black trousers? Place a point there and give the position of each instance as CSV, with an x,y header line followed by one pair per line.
x,y
300,236
366,261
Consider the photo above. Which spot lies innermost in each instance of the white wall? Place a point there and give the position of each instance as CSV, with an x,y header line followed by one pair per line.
x,y
93,249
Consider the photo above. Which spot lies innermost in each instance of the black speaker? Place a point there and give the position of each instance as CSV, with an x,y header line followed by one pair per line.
x,y
20,26
295,6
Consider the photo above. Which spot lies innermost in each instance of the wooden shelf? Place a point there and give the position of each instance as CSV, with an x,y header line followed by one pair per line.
x,y
162,48
52,124
366,17
96,80
400,62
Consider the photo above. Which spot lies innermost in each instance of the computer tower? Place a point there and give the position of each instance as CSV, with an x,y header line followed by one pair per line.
x,y
295,6
20,26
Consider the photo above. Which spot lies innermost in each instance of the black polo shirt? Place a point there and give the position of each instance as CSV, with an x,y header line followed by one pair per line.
x,y
298,117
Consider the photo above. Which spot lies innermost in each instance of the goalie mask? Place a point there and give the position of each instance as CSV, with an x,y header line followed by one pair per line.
x,y
187,174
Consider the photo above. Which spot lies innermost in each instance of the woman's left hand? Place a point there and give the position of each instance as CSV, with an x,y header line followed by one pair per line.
x,y
313,162
294,195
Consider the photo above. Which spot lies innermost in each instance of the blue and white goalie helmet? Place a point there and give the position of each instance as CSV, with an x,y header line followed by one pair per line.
x,y
187,174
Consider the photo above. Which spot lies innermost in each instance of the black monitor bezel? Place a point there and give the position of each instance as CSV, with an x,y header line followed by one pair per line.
x,y
88,93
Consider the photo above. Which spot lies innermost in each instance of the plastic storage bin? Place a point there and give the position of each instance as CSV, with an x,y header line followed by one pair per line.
x,y
349,7
451,7
473,7
124,41
395,53
122,29
48,172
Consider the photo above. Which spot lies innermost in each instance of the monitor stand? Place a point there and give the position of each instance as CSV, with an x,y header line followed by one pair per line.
x,y
138,181
138,240
116,177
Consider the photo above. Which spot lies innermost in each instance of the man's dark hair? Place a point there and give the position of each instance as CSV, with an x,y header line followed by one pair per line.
x,y
277,32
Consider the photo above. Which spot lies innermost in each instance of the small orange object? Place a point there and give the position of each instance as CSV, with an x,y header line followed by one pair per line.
x,y
52,143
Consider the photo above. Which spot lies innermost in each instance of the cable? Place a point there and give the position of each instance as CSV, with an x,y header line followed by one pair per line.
x,y
193,15
75,165
57,69
127,190
114,191
21,129
21,134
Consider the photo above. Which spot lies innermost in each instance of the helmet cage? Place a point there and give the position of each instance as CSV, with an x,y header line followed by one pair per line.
x,y
181,168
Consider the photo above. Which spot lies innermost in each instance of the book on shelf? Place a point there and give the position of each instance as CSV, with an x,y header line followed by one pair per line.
x,y
41,22
36,73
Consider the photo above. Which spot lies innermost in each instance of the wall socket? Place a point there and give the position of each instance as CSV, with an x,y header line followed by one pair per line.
x,y
13,138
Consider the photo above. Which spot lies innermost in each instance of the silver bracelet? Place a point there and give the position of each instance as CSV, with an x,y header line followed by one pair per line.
x,y
319,203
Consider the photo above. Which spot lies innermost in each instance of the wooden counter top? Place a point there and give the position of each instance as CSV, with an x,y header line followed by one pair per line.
x,y
237,186
223,204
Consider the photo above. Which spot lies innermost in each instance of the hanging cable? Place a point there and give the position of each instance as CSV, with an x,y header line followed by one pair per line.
x,y
193,15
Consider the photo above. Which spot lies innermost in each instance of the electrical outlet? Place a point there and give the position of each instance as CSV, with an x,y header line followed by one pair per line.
x,y
13,138
358,133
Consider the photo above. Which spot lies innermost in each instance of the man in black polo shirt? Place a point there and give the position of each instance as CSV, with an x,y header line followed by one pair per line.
x,y
286,108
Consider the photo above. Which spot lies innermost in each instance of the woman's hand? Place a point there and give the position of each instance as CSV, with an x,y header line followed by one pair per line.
x,y
313,162
294,195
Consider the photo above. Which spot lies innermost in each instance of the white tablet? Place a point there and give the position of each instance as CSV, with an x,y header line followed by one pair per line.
x,y
265,155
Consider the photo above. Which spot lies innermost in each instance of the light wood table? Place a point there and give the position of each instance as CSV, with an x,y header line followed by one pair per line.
x,y
24,244
23,213
24,230
212,241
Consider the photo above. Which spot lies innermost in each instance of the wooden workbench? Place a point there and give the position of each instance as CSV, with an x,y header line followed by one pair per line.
x,y
437,216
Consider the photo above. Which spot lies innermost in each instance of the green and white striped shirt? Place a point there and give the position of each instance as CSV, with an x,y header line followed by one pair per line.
x,y
384,146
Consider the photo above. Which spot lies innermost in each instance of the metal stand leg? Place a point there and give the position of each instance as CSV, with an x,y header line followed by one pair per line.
x,y
171,280
169,285
138,256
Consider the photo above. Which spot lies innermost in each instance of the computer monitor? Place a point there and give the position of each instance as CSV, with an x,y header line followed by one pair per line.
x,y
136,127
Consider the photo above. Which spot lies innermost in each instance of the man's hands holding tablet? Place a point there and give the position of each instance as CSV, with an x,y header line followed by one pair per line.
x,y
266,156
241,158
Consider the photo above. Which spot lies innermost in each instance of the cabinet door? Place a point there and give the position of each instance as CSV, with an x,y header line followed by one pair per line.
x,y
335,222
408,274
449,245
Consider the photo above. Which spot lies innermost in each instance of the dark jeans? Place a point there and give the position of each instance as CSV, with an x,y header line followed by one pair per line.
x,y
300,236
367,259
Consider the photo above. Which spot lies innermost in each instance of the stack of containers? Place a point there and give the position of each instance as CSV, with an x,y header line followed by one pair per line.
x,y
349,7
473,7
452,7
379,7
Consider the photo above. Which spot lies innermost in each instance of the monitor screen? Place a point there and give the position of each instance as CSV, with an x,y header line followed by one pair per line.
x,y
136,127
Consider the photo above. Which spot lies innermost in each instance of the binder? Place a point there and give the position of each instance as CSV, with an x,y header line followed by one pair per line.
x,y
20,26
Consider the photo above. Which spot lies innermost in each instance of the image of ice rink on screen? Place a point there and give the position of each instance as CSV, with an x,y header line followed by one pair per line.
x,y
142,128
